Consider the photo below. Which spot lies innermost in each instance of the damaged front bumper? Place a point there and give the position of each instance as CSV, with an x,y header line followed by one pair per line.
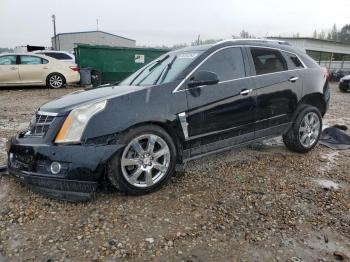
x,y
65,172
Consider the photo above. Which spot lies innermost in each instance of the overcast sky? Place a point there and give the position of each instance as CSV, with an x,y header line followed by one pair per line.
x,y
158,22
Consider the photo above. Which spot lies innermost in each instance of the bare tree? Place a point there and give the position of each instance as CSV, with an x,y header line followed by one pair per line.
x,y
334,33
344,34
322,35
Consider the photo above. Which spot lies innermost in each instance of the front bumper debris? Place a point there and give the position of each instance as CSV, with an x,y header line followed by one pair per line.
x,y
81,167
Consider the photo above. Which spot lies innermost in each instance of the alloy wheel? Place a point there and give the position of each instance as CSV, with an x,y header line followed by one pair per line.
x,y
309,129
56,81
145,160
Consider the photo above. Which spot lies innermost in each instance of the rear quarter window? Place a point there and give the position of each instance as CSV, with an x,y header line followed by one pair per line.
x,y
293,61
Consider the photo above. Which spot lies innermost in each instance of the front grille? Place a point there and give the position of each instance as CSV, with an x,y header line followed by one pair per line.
x,y
41,124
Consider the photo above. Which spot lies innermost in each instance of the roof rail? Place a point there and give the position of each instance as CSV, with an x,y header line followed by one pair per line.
x,y
263,40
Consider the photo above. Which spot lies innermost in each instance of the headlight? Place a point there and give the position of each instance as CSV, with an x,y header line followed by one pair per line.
x,y
341,80
74,125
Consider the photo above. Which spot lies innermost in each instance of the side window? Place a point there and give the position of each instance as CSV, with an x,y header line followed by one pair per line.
x,y
293,61
227,64
44,61
53,55
65,56
59,56
8,60
268,61
30,60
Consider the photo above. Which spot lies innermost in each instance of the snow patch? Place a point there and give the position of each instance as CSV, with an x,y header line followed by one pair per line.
x,y
327,184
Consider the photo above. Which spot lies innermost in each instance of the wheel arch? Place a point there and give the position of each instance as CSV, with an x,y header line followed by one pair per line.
x,y
169,127
314,99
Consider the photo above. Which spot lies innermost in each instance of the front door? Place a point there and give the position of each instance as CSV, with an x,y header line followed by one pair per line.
x,y
32,70
222,114
9,70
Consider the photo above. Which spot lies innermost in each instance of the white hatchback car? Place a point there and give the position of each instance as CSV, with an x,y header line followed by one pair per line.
x,y
36,70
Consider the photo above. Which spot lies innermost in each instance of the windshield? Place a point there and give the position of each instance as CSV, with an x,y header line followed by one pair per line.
x,y
162,70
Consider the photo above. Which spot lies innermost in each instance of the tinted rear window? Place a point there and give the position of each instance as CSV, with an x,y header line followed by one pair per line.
x,y
293,61
268,61
59,56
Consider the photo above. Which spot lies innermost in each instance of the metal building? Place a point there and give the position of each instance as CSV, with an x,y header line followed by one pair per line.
x,y
66,41
328,53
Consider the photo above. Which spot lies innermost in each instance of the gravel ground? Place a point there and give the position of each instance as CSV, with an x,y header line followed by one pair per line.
x,y
258,203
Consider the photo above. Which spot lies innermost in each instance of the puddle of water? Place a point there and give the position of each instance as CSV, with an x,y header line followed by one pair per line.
x,y
329,247
329,161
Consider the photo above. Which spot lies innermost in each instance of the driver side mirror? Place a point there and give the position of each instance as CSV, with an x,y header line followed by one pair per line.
x,y
202,78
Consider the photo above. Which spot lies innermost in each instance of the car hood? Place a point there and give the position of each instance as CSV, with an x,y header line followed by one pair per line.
x,y
65,104
346,77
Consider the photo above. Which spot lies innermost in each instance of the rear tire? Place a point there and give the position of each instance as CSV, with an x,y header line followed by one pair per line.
x,y
305,131
55,80
145,163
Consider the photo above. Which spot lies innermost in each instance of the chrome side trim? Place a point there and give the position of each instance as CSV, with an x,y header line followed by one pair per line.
x,y
266,119
232,128
281,50
47,113
184,124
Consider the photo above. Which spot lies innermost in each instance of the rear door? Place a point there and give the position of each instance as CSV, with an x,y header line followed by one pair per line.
x,y
9,70
225,110
33,69
278,89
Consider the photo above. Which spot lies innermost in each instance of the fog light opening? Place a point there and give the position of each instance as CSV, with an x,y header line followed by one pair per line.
x,y
55,168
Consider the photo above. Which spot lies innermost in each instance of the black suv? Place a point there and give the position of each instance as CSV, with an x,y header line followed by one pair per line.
x,y
186,104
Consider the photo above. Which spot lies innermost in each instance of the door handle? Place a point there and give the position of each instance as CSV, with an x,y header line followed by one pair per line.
x,y
245,92
13,68
293,79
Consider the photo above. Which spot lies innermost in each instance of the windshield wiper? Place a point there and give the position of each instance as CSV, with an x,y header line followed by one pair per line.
x,y
167,69
151,69
158,62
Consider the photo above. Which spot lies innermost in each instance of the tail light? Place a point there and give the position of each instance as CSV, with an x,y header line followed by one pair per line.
x,y
74,68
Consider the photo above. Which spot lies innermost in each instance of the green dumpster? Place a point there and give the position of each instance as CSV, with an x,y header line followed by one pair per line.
x,y
115,63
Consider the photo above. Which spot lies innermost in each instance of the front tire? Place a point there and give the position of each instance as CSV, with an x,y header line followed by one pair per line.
x,y
146,162
55,80
305,131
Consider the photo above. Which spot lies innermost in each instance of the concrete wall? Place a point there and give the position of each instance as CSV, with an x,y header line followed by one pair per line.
x,y
65,42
